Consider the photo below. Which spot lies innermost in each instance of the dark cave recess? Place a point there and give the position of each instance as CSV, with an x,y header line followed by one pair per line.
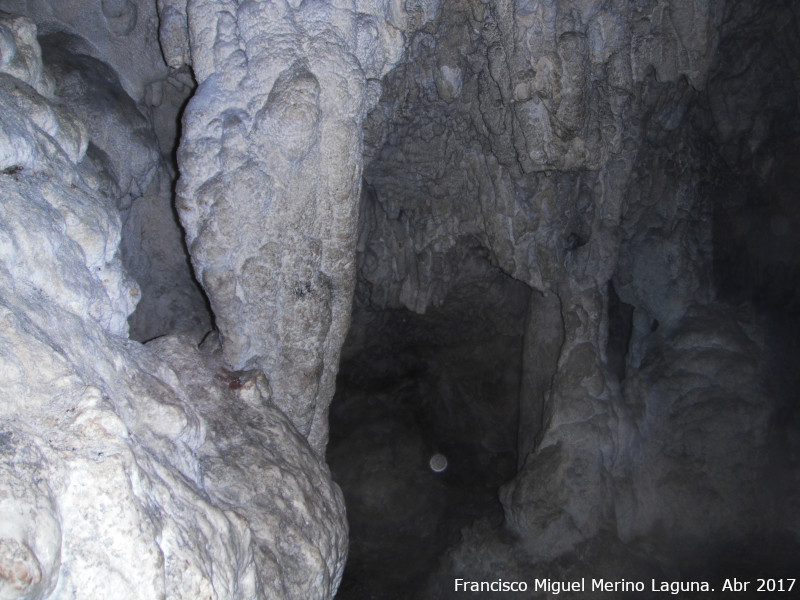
x,y
412,386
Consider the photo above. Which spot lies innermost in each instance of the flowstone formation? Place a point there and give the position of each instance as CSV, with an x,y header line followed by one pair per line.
x,y
587,148
271,161
552,241
126,470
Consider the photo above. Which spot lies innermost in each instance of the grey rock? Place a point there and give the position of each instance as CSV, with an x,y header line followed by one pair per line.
x,y
567,139
147,470
110,30
667,405
118,128
270,166
124,146
153,252
564,205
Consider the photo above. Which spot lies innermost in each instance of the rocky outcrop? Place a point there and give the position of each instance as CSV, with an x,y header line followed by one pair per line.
x,y
124,145
110,30
131,111
270,161
575,143
571,235
140,471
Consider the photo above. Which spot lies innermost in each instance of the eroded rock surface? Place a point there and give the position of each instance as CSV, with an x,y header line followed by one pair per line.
x,y
590,149
575,274
270,163
113,31
522,123
137,471
131,110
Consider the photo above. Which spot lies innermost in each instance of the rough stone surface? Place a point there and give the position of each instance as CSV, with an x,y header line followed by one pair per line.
x,y
270,161
533,112
121,135
689,424
110,30
593,150
150,470
131,111
575,275
154,253
531,161
132,143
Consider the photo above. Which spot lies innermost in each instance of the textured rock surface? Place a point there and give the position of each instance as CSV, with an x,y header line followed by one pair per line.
x,y
154,253
110,30
593,150
535,136
547,212
147,470
575,276
130,110
689,424
270,163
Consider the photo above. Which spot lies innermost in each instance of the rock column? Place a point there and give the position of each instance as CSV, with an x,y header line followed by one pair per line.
x,y
271,160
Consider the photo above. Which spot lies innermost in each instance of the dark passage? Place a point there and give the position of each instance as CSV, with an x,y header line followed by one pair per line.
x,y
413,386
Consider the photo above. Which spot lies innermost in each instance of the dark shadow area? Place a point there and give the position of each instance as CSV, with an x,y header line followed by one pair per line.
x,y
755,186
620,326
414,388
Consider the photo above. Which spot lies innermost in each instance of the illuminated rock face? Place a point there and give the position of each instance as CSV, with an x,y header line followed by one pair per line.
x,y
122,33
553,245
271,162
126,470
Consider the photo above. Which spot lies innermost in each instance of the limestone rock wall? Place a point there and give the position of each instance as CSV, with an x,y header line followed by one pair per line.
x,y
131,111
534,135
667,403
113,31
126,144
603,154
563,137
137,471
271,161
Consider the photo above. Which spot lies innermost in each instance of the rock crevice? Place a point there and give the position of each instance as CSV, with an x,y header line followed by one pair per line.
x,y
543,254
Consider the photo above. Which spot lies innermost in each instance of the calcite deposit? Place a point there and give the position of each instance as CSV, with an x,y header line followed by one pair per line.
x,y
127,471
122,33
271,160
554,241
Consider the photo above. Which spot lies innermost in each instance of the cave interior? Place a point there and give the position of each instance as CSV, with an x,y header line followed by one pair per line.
x,y
522,306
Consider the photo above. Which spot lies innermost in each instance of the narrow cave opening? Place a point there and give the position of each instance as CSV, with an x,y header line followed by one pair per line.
x,y
423,426
132,146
